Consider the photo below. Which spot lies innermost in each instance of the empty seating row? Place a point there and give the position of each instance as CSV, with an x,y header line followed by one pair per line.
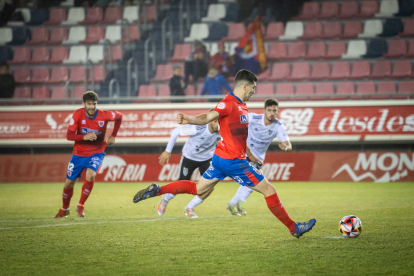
x,y
59,74
43,92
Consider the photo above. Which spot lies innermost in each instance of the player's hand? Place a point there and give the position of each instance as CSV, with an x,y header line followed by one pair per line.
x,y
111,140
182,119
284,146
254,159
164,158
90,137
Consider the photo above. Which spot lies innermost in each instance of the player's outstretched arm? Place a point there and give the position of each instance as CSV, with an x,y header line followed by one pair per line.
x,y
164,157
117,118
201,119
286,146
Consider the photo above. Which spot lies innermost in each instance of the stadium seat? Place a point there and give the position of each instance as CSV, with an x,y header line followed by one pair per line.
x,y
293,30
348,9
232,12
217,32
396,48
131,14
376,48
388,8
304,89
95,34
59,54
280,71
235,32
410,51
164,73
406,86
77,74
261,76
284,89
38,17
134,33
22,75
332,29
372,28
58,93
401,69
40,93
340,70
276,51
67,3
352,29
76,34
368,9
21,56
316,50
385,87
313,30
408,28
20,36
215,13
77,54
392,27
360,70
79,91
59,74
6,35
39,75
116,53
147,13
300,71
309,10
57,15
324,89
6,54
364,88
345,89
335,50
146,91
381,69
320,71
296,50
75,16
40,55
181,53
112,15
39,36
57,36
356,49
198,31
274,31
265,89
164,91
93,16
406,8
98,73
22,93
189,91
113,33
329,9
96,53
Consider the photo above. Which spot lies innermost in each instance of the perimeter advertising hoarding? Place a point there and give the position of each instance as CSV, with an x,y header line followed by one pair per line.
x,y
283,166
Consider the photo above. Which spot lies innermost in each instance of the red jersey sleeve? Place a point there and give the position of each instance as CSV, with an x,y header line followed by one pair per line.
x,y
117,117
74,121
224,108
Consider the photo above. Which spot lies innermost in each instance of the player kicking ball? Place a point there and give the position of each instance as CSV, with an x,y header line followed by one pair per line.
x,y
230,155
197,153
87,128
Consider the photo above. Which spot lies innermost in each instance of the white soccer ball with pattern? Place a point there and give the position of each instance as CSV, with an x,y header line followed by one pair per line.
x,y
350,227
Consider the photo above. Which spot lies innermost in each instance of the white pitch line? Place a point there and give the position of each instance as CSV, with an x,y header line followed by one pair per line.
x,y
335,237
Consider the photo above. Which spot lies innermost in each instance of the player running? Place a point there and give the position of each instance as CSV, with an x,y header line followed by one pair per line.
x,y
87,128
230,155
197,153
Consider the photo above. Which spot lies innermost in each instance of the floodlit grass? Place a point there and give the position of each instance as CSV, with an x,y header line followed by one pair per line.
x,y
118,237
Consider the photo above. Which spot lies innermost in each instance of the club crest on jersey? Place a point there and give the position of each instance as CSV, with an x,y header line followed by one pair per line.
x,y
101,123
239,108
69,173
270,132
221,106
244,119
83,122
185,171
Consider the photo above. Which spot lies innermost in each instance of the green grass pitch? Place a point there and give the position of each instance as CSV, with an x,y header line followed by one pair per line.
x,y
118,237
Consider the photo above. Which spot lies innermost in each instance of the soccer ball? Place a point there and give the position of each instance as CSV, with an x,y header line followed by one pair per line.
x,y
350,227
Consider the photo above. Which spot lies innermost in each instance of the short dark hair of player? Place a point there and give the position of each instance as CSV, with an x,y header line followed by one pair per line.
x,y
271,102
90,96
244,76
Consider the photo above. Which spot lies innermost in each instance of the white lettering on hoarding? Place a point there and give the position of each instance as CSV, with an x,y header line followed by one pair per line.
x,y
169,172
119,170
277,171
296,121
13,129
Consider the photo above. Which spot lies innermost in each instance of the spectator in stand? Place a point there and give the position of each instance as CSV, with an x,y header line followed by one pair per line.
x,y
177,84
7,83
6,11
214,82
197,64
221,60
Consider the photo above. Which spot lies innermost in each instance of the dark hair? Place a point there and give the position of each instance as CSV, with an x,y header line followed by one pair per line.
x,y
4,64
90,96
270,102
245,76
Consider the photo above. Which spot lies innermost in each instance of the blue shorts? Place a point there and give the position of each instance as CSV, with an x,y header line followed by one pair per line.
x,y
240,170
78,163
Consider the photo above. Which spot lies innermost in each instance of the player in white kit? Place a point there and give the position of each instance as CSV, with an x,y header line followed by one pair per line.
x,y
197,153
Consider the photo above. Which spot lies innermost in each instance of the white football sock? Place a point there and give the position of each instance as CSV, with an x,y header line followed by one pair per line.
x,y
168,197
193,203
245,192
236,197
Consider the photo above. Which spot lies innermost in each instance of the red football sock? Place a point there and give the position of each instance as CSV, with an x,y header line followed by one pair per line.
x,y
276,207
86,191
179,187
66,196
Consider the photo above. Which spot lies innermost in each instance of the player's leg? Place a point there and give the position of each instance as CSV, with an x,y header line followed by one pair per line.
x,y
237,203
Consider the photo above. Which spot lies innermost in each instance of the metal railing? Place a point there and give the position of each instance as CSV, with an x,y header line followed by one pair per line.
x,y
111,90
129,64
165,35
147,56
92,74
181,16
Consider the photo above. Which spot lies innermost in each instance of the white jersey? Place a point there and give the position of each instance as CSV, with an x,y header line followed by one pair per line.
x,y
200,145
260,136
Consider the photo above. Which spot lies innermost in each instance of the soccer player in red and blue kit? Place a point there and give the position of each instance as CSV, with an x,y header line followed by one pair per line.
x,y
229,159
87,128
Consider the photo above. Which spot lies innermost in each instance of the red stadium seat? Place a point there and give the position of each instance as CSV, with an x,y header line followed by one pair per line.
x,y
40,93
112,14
304,89
146,91
335,49
284,89
236,31
22,75
280,71
310,10
320,71
164,73
348,9
300,71
56,16
59,74
59,54
77,74
364,88
22,93
116,53
264,89
396,48
93,16
313,30
408,28
79,91
329,10
368,9
57,35
296,50
316,50
39,36
164,90
274,30
340,70
98,74
40,75
381,69
40,55
332,29
324,88
189,91
95,33
134,33
149,12
401,69
262,76
360,70
345,89
385,87
352,29
181,53
58,93
410,51
406,86
21,55
276,51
